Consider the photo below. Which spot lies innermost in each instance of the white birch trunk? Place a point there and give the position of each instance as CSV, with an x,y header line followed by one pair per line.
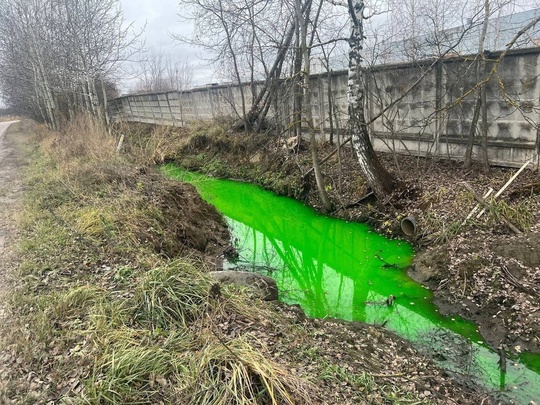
x,y
379,179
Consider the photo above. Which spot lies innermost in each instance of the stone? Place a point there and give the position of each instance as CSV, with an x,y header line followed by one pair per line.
x,y
265,286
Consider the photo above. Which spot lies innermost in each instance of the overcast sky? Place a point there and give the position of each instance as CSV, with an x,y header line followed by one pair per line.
x,y
161,18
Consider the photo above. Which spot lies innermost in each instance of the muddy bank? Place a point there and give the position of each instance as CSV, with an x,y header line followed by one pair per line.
x,y
493,282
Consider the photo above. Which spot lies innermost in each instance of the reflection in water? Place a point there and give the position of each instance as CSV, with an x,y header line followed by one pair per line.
x,y
333,268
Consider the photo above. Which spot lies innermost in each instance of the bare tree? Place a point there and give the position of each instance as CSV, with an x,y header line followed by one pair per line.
x,y
63,53
255,44
305,60
158,72
481,102
249,41
178,73
218,24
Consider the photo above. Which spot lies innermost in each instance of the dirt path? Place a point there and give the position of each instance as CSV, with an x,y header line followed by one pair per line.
x,y
10,192
10,189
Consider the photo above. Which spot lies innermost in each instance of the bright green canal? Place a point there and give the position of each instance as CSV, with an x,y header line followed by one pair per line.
x,y
339,269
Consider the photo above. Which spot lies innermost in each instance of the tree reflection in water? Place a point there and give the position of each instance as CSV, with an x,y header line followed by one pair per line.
x,y
333,268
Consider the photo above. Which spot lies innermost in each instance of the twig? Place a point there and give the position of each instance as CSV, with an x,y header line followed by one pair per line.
x,y
516,283
388,375
361,200
221,341
329,156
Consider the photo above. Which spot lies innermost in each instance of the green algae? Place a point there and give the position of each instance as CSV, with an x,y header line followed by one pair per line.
x,y
340,269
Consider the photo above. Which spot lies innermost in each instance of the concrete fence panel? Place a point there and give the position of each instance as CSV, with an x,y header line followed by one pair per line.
x,y
432,119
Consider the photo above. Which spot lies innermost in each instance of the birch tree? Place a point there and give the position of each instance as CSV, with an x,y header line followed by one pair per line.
x,y
379,179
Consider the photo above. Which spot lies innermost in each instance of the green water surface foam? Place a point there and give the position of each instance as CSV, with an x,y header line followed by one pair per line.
x,y
340,269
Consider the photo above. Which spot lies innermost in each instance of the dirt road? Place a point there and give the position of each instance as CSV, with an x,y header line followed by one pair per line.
x,y
10,187
9,184
10,191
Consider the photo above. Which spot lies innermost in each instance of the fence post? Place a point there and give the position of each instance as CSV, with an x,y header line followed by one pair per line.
x,y
170,109
438,106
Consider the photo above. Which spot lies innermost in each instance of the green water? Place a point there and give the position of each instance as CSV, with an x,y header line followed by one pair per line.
x,y
339,269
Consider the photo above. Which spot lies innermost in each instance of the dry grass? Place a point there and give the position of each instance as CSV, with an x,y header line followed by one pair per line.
x,y
237,374
151,144
104,310
80,141
112,303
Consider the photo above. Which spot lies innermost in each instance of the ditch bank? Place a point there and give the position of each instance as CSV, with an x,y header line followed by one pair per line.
x,y
340,269
478,269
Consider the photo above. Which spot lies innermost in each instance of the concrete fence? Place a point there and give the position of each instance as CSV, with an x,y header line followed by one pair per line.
x,y
433,119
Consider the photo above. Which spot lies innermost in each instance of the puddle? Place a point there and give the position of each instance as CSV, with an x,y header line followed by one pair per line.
x,y
339,269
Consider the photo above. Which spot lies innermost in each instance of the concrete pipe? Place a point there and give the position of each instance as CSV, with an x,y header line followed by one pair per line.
x,y
408,226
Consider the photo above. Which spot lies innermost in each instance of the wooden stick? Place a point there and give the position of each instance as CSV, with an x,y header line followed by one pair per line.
x,y
120,143
368,195
486,206
507,184
473,211
502,358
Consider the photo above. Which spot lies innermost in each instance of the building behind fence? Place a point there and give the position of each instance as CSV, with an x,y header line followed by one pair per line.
x,y
432,119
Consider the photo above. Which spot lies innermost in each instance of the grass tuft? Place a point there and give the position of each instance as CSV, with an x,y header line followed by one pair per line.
x,y
171,296
238,374
134,373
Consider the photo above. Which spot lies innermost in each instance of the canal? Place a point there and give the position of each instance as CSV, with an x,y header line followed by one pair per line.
x,y
334,268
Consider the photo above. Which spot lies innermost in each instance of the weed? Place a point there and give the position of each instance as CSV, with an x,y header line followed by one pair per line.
x,y
76,301
108,315
434,197
340,374
93,222
373,392
149,145
216,168
520,214
213,128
